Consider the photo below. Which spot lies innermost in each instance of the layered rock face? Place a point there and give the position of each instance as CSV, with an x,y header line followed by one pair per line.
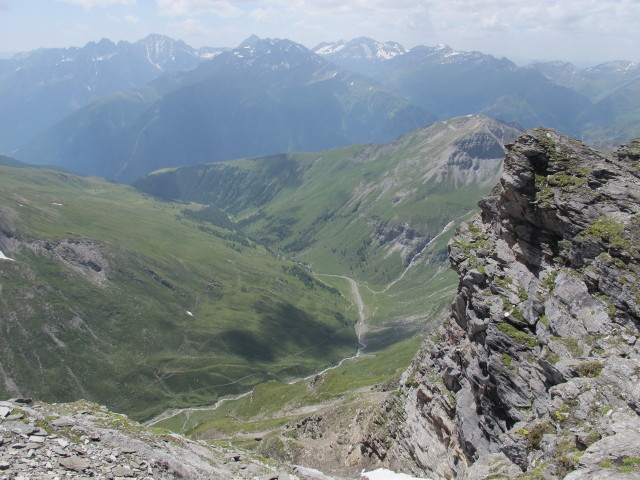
x,y
536,374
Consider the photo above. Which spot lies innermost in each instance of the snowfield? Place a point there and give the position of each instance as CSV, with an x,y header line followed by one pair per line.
x,y
4,257
384,474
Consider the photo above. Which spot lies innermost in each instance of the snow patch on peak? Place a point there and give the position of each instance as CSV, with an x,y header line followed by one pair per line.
x,y
361,48
329,48
388,51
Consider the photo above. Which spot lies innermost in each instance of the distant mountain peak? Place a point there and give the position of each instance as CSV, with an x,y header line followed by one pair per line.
x,y
253,39
361,48
272,54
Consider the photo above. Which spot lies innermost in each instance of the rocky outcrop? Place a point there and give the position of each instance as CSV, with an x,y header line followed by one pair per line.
x,y
536,373
84,440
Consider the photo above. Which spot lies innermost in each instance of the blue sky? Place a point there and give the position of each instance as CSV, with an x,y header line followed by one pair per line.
x,y
585,32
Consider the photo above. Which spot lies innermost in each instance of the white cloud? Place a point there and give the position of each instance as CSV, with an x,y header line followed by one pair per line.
x,y
189,26
522,29
493,23
263,14
188,8
88,4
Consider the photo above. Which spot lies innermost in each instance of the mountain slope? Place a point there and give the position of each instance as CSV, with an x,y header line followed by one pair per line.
x,y
614,119
333,194
448,83
359,54
366,212
41,87
266,96
596,82
141,306
534,374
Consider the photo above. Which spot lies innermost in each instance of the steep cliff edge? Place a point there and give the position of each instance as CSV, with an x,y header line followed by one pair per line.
x,y
536,374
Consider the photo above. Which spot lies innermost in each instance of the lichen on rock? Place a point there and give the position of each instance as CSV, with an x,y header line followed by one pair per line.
x,y
538,367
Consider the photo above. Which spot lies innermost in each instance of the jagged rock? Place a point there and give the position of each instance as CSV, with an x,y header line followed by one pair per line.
x,y
490,467
539,363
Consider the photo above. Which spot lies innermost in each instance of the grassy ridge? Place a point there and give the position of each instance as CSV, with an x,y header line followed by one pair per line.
x,y
126,338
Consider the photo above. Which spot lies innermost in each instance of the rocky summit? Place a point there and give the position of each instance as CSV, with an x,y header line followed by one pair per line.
x,y
536,373
84,440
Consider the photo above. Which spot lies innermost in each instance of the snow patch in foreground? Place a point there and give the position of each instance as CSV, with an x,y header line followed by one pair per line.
x,y
3,257
384,474
312,473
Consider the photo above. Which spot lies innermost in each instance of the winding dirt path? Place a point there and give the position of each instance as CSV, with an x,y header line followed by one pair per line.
x,y
360,328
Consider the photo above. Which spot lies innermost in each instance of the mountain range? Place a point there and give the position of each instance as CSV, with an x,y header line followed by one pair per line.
x,y
41,87
270,96
266,96
597,104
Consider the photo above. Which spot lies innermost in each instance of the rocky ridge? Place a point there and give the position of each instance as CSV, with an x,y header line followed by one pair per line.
x,y
536,373
83,440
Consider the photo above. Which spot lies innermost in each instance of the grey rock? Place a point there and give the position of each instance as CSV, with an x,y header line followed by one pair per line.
x,y
491,466
63,422
122,472
20,428
15,416
4,411
33,445
77,464
129,451
600,473
540,353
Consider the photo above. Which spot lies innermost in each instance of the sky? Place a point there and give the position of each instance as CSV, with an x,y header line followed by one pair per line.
x,y
585,32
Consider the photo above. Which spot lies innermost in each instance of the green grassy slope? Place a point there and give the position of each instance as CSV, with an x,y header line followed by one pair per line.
x,y
380,215
96,304
274,404
363,211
